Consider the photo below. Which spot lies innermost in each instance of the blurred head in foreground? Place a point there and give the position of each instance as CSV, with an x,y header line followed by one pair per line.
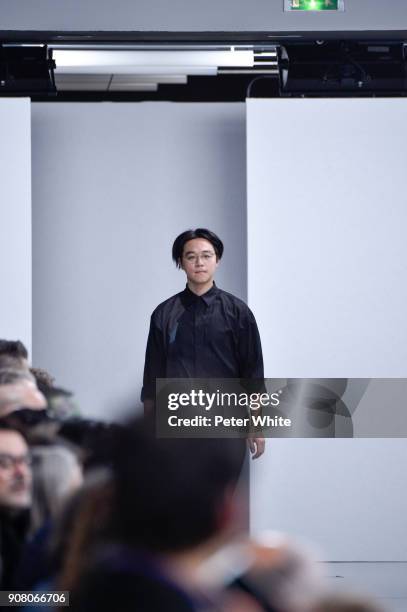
x,y
174,494
172,504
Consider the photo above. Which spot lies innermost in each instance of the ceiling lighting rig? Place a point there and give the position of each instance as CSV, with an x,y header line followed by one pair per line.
x,y
146,68
26,69
290,65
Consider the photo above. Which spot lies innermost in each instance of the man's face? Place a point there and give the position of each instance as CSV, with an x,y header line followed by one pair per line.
x,y
15,471
199,261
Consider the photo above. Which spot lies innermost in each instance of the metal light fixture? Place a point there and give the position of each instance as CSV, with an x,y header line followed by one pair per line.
x,y
143,68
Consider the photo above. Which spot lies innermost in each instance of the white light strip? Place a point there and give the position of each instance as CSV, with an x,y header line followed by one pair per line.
x,y
167,70
252,72
80,61
81,86
122,78
21,45
271,53
151,47
151,78
82,78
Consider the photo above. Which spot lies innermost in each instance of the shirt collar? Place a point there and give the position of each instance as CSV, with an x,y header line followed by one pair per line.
x,y
189,297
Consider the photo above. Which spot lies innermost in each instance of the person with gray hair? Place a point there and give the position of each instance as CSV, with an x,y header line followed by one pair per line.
x,y
57,474
57,478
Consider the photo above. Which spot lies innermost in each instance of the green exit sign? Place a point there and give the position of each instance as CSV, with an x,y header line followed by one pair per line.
x,y
314,5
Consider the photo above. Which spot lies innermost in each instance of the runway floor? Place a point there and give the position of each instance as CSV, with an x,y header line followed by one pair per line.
x,y
385,581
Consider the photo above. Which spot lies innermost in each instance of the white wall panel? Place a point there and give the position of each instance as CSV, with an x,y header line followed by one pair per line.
x,y
184,15
327,258
113,185
15,220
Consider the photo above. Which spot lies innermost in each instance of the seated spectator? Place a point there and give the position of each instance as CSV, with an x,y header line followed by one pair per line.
x,y
173,506
57,474
14,356
45,558
15,501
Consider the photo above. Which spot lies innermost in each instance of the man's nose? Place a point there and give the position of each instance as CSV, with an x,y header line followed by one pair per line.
x,y
21,470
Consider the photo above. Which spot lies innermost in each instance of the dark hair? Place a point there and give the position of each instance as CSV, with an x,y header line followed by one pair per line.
x,y
96,440
44,380
13,348
168,492
7,425
179,243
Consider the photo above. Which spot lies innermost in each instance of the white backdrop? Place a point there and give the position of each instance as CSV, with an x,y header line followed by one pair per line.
x,y
113,185
15,220
327,259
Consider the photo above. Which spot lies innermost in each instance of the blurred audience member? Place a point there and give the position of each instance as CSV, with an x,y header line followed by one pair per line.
x,y
57,474
15,501
173,506
155,528
83,523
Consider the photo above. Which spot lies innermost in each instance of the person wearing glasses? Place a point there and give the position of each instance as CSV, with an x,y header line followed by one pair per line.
x,y
202,332
15,501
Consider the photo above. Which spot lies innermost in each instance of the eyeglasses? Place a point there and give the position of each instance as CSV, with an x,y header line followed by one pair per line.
x,y
195,258
10,461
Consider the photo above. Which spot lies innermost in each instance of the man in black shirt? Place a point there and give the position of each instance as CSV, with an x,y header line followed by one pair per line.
x,y
202,332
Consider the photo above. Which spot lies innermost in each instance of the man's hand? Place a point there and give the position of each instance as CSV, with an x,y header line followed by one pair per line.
x,y
256,446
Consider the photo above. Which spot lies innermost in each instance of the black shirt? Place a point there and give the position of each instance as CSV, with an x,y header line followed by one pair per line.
x,y
13,535
209,336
